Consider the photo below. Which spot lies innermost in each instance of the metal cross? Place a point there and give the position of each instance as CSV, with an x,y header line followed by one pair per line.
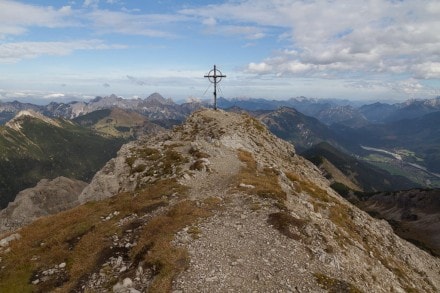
x,y
215,76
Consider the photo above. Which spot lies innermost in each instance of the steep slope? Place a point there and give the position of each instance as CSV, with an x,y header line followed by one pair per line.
x,y
345,115
413,214
217,204
367,177
46,198
33,147
293,126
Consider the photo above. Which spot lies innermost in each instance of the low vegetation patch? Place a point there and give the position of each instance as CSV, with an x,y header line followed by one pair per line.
x,y
166,259
335,285
198,165
265,182
81,236
196,153
287,224
252,122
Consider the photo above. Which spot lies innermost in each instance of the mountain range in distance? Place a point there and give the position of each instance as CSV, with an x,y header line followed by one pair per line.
x,y
370,134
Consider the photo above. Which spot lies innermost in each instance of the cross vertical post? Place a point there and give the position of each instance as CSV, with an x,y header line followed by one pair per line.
x,y
215,76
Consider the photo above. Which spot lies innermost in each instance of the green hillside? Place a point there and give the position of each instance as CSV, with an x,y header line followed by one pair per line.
x,y
37,150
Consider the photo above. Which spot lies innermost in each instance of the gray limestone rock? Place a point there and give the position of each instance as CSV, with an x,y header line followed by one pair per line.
x,y
46,198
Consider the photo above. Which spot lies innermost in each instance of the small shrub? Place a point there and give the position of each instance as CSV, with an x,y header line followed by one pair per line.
x,y
149,154
287,224
198,165
340,188
335,285
139,168
198,154
194,231
130,161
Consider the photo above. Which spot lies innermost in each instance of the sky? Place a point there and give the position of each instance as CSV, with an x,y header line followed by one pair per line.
x,y
274,49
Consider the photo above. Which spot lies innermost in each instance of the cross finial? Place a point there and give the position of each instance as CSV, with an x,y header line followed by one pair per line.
x,y
215,76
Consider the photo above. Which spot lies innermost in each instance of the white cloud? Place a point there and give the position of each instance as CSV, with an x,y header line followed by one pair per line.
x,y
210,21
260,68
151,25
54,96
16,17
15,52
91,3
334,38
248,32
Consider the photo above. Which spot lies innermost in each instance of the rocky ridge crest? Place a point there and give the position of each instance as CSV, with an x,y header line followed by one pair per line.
x,y
219,204
279,227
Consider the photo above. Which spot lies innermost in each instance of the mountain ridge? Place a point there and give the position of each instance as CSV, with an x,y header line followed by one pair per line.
x,y
34,147
218,202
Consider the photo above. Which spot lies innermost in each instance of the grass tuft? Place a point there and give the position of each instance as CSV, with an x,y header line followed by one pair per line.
x,y
334,285
265,182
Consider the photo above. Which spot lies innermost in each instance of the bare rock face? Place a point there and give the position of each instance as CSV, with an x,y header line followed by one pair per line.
x,y
111,179
46,198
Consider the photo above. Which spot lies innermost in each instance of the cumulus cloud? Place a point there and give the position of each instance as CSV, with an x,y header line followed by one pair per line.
x,y
334,38
15,52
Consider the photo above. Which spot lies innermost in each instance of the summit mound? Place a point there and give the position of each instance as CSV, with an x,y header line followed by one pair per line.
x,y
218,204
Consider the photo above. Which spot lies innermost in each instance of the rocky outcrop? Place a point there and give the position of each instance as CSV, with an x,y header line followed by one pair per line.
x,y
113,178
46,198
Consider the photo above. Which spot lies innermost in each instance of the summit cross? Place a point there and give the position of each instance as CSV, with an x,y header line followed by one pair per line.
x,y
215,76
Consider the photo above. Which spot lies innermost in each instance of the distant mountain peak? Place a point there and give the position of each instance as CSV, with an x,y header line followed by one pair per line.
x,y
158,98
16,122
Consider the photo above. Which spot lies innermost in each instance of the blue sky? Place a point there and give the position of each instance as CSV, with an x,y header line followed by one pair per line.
x,y
276,49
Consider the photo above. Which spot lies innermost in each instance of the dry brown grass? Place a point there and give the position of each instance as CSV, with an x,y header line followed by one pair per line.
x,y
265,181
166,259
78,237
